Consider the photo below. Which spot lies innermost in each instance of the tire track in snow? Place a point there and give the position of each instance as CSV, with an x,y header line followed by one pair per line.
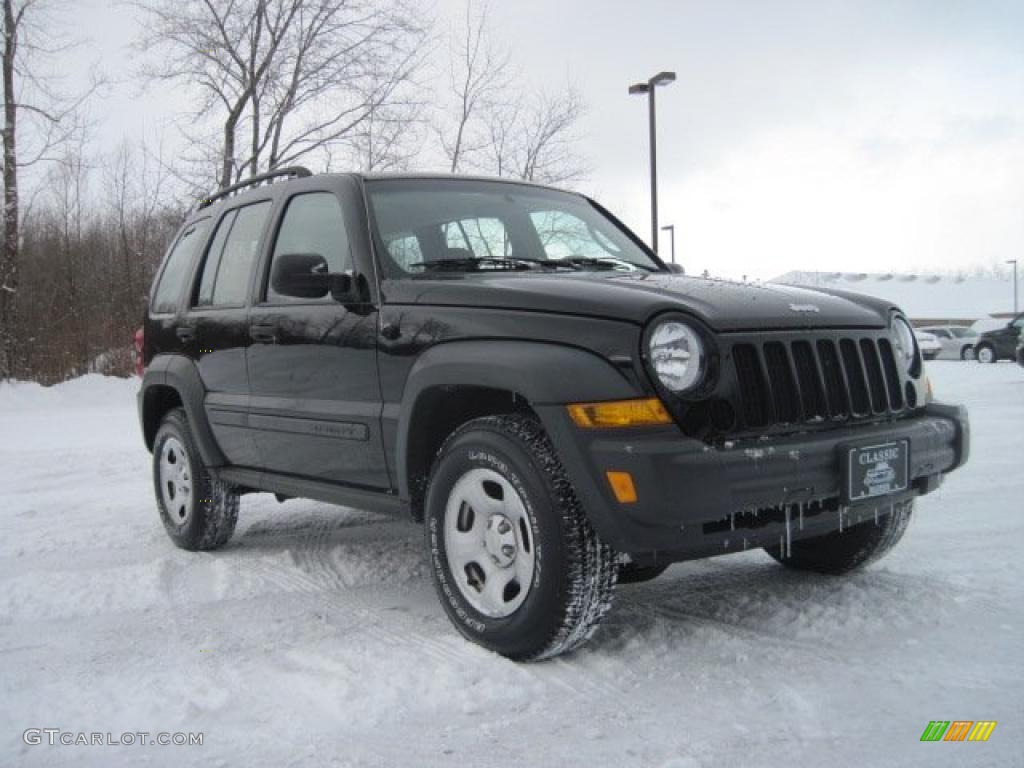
x,y
310,574
309,569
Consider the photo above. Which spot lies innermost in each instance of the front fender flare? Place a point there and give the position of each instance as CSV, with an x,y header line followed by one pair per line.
x,y
541,373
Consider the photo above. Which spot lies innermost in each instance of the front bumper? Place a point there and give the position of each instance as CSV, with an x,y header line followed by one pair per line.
x,y
686,488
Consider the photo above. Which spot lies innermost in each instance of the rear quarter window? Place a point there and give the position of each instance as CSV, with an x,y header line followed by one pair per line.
x,y
170,284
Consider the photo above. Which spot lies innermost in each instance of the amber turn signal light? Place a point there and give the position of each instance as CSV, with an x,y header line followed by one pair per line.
x,y
622,486
619,413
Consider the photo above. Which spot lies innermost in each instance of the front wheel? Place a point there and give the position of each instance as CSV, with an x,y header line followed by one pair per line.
x,y
844,551
516,564
986,354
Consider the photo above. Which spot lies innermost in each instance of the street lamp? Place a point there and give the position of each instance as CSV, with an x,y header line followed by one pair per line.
x,y
672,234
662,78
1014,262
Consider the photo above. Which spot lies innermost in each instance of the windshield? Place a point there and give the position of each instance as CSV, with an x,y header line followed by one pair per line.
x,y
963,333
424,226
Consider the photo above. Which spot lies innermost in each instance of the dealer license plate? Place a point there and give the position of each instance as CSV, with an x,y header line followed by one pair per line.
x,y
877,470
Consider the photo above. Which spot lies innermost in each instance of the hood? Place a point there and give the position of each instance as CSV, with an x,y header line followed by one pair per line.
x,y
723,305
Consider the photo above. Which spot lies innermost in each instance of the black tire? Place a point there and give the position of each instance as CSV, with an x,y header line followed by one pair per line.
x,y
574,572
631,573
967,353
205,517
842,552
980,351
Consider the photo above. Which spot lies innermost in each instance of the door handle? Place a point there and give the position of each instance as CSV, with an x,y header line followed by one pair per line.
x,y
265,334
185,332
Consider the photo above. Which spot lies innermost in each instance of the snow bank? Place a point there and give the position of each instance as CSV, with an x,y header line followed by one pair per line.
x,y
90,390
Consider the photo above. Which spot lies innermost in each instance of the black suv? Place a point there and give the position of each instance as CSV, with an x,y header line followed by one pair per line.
x,y
1000,343
510,365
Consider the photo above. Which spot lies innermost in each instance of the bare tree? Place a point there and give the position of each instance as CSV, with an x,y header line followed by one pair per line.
x,y
388,140
136,207
543,145
492,124
478,75
299,77
34,108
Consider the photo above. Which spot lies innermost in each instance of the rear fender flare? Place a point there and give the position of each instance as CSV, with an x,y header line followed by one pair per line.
x,y
181,375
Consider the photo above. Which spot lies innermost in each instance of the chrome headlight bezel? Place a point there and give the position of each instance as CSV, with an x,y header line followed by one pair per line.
x,y
697,382
905,345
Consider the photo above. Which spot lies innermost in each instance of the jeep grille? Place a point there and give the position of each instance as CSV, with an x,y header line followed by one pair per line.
x,y
812,380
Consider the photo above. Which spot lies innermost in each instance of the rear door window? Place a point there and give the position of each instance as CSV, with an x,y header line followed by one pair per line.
x,y
229,263
170,287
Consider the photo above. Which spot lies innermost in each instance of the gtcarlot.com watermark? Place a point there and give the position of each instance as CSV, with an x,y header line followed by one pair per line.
x,y
56,737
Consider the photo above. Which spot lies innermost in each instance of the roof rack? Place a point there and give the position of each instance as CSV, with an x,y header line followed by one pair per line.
x,y
294,170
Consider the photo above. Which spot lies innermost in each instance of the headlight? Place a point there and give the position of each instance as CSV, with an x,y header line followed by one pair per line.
x,y
906,346
676,355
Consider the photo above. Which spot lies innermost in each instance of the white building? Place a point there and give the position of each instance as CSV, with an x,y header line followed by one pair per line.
x,y
927,299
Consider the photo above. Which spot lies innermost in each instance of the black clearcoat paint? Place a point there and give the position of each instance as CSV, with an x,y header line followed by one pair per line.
x,y
320,398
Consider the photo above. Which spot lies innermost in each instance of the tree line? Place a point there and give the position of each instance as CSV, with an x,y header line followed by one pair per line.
x,y
365,85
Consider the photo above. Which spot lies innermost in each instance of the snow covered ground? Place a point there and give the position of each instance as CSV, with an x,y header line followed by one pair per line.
x,y
315,638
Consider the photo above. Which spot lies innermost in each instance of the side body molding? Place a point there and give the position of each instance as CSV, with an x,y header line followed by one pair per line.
x,y
540,372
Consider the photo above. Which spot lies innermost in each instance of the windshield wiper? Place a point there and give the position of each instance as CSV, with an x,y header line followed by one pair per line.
x,y
489,263
474,264
603,263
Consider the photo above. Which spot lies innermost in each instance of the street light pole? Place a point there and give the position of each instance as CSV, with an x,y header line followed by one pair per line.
x,y
1014,262
672,234
662,78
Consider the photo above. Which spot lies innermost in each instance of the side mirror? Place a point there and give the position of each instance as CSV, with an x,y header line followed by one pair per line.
x,y
344,288
676,268
305,276
300,275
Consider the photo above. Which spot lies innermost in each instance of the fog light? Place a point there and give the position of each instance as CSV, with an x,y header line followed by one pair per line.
x,y
622,486
619,413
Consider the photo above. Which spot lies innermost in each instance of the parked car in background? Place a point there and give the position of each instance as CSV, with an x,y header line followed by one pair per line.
x,y
928,344
1000,343
957,341
1020,351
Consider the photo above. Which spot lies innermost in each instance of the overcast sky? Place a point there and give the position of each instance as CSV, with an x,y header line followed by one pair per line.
x,y
848,135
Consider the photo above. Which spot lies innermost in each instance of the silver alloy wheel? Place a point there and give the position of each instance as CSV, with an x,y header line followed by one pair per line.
x,y
176,481
986,355
489,542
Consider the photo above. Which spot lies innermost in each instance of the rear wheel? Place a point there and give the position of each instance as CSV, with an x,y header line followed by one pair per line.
x,y
967,353
516,564
198,511
986,353
844,551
